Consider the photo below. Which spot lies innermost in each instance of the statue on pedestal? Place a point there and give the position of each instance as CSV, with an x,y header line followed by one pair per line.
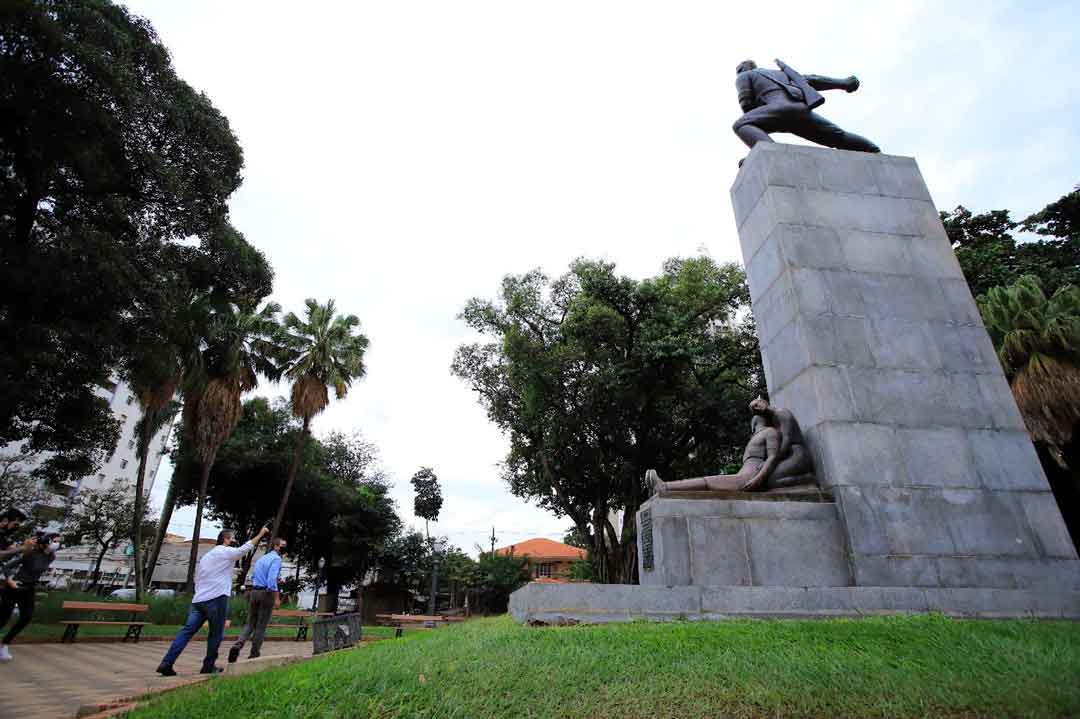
x,y
775,458
784,101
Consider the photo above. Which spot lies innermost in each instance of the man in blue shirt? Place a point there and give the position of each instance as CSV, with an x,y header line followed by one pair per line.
x,y
263,599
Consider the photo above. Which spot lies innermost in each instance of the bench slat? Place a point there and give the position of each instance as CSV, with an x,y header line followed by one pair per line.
x,y
107,606
126,624
291,613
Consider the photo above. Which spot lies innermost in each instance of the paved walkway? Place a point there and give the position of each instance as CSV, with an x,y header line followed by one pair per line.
x,y
47,681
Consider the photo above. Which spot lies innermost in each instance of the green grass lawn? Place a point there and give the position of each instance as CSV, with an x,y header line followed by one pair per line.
x,y
170,630
875,667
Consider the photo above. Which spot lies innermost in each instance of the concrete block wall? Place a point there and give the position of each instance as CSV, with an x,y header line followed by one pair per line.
x,y
720,542
870,335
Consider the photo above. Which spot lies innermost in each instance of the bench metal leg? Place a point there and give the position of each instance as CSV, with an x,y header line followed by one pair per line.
x,y
69,633
133,632
301,633
397,634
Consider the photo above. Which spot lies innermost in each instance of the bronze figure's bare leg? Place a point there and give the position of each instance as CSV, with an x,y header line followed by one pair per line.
x,y
718,482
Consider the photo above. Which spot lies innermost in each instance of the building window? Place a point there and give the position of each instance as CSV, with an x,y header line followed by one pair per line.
x,y
123,464
543,570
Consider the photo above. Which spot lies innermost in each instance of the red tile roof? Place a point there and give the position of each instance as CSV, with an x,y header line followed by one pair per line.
x,y
541,548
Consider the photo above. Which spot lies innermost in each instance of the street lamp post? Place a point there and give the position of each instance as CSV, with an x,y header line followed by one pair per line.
x,y
318,578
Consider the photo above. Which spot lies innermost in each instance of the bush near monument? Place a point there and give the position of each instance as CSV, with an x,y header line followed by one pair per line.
x,y
492,668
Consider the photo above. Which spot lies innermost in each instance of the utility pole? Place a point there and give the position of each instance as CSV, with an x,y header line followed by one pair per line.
x,y
493,542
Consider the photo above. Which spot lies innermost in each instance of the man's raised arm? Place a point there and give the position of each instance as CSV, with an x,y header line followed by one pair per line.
x,y
251,543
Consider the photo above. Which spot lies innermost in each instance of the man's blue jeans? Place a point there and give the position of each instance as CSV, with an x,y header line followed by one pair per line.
x,y
212,610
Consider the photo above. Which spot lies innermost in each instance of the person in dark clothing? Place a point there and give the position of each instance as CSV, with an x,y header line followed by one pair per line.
x,y
10,521
20,587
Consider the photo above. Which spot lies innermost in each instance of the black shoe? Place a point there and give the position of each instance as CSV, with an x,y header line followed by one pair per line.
x,y
234,654
211,670
254,655
166,670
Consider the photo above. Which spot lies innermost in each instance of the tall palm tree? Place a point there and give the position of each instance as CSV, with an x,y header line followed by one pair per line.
x,y
320,352
240,344
1038,342
155,380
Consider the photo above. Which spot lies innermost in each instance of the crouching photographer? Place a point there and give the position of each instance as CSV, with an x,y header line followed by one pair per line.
x,y
19,587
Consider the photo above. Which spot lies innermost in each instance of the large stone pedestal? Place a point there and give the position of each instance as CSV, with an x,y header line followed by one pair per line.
x,y
751,542
870,336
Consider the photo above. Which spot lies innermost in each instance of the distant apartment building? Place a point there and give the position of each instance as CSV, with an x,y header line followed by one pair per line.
x,y
121,465
548,560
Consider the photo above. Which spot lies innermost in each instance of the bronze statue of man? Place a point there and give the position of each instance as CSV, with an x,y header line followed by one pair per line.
x,y
784,101
774,457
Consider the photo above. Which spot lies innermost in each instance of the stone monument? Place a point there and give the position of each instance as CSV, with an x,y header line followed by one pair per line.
x,y
931,495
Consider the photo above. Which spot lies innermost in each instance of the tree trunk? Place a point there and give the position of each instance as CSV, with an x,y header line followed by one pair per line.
x,y
298,450
193,558
97,568
333,589
1064,486
245,567
162,530
136,531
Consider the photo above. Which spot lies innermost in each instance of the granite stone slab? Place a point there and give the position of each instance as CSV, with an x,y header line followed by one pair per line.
x,y
597,603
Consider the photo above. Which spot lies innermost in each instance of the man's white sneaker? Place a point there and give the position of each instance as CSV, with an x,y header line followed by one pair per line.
x,y
5,653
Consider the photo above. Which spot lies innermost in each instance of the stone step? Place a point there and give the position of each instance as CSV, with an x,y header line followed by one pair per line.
x,y
600,603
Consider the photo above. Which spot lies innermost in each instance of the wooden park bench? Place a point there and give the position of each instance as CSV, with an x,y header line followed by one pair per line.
x,y
134,626
420,621
301,623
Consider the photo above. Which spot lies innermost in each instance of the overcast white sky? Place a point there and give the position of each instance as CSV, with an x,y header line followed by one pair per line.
x,y
401,157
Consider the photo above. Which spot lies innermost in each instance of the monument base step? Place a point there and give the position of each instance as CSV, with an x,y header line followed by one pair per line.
x,y
600,603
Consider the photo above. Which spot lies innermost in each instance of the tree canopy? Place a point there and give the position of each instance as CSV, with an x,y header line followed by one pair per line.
x,y
427,501
597,378
991,255
107,160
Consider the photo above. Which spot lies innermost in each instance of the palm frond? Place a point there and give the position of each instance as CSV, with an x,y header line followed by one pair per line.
x,y
1038,342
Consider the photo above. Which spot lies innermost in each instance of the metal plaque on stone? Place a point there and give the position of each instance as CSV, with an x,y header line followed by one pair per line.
x,y
338,632
646,540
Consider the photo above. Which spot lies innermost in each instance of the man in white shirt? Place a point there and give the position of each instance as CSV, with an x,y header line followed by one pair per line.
x,y
213,585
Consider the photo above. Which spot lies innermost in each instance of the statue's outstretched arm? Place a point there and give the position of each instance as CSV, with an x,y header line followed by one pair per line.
x,y
820,82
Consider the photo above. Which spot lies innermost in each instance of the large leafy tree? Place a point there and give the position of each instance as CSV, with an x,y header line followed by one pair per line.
x,y
106,157
321,351
597,378
348,516
991,255
239,345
